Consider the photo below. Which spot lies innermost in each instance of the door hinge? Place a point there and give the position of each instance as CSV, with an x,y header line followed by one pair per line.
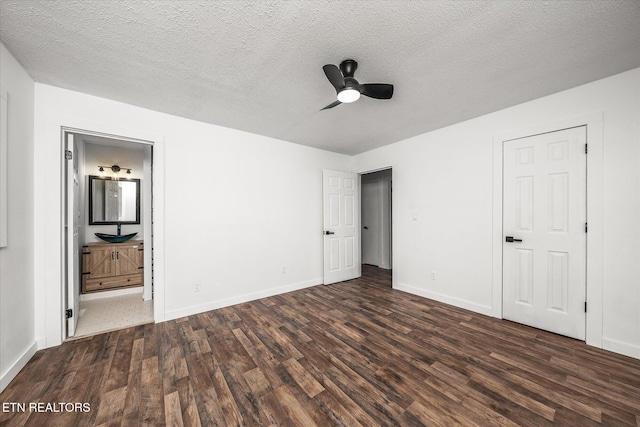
x,y
586,227
585,306
68,155
586,148
68,313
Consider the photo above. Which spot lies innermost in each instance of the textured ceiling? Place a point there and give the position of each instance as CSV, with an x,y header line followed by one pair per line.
x,y
257,66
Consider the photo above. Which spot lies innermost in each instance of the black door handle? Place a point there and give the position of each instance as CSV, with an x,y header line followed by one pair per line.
x,y
510,239
366,228
328,232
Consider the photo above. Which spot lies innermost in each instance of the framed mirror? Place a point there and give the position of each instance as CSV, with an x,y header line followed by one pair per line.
x,y
114,201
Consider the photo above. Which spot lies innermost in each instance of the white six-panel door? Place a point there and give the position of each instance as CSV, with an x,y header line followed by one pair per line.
x,y
544,206
341,226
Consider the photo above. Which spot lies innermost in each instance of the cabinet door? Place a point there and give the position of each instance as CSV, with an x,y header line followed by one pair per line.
x,y
127,260
99,261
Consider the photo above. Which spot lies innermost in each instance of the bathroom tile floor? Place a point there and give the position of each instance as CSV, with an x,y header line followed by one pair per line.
x,y
107,314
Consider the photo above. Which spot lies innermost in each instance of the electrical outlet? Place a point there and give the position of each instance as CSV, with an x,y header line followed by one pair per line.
x,y
197,287
283,269
434,275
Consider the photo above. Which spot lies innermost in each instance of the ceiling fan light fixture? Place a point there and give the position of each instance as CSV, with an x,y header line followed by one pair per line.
x,y
347,87
348,95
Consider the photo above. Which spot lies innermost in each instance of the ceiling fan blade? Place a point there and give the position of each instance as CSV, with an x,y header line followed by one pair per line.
x,y
333,104
334,75
377,90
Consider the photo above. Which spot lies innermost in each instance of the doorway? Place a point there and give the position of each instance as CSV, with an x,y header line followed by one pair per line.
x,y
376,202
544,231
115,291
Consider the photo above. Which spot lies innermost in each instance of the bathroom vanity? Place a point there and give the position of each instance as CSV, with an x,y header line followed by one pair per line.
x,y
107,266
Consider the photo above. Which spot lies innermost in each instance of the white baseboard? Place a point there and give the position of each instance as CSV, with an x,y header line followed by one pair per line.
x,y
620,347
109,294
457,302
13,370
213,305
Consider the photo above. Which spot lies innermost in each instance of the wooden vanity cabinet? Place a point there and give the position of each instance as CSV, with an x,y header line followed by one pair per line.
x,y
107,266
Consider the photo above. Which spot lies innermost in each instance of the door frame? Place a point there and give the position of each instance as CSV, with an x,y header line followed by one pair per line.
x,y
595,216
375,185
48,232
394,230
383,188
147,214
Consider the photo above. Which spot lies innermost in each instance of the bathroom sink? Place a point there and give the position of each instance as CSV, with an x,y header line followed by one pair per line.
x,y
112,238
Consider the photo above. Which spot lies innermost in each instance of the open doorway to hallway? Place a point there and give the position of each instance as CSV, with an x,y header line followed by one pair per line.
x,y
376,202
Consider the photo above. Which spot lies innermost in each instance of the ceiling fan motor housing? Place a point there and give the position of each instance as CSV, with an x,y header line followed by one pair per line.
x,y
348,67
351,83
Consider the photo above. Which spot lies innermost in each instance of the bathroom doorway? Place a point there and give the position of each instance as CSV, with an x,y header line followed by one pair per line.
x,y
108,232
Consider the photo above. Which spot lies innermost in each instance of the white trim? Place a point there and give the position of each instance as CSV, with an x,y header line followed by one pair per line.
x,y
497,194
457,302
88,132
374,170
16,367
147,220
214,305
595,216
616,346
595,235
48,257
158,231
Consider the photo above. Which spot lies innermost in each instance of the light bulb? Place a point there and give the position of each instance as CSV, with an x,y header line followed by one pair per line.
x,y
348,95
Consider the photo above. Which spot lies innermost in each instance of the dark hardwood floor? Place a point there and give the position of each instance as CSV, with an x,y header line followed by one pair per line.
x,y
353,353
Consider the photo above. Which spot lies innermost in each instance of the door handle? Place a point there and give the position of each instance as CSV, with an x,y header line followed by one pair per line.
x,y
510,239
366,228
328,232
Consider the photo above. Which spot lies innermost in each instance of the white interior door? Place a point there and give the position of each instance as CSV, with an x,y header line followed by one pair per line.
x,y
72,224
544,226
341,226
371,223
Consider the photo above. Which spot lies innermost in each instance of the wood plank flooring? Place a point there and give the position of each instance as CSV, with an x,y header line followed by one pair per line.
x,y
349,354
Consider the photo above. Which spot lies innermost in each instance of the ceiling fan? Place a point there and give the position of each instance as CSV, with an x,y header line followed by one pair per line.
x,y
348,88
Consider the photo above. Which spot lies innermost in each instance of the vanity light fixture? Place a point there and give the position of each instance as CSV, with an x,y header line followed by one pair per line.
x,y
115,169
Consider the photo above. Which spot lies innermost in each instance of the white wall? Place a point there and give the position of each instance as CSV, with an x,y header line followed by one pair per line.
x,y
244,207
17,342
444,179
231,207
